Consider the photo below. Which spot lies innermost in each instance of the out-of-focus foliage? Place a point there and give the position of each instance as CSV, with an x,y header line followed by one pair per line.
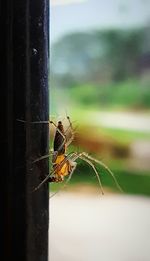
x,y
129,93
100,56
103,68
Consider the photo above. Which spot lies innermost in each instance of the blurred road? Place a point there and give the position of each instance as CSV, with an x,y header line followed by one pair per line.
x,y
122,120
93,228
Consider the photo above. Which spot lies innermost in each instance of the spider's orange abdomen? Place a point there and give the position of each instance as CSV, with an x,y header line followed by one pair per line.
x,y
64,169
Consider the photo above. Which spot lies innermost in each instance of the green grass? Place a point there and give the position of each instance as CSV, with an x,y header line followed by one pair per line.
x,y
131,93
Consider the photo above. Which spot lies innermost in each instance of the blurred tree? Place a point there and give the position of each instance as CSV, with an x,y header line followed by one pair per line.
x,y
100,56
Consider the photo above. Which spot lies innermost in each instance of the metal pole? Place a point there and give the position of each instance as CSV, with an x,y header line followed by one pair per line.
x,y
24,95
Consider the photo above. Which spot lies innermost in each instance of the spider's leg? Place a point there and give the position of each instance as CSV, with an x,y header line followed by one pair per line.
x,y
44,180
70,141
43,157
72,132
81,156
33,122
105,167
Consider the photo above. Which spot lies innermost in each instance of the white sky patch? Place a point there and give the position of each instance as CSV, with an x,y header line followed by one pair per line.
x,y
65,2
85,15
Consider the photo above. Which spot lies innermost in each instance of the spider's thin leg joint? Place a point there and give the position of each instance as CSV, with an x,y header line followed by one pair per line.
x,y
105,167
94,168
81,155
42,157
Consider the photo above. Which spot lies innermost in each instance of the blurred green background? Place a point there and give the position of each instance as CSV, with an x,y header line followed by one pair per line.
x,y
100,77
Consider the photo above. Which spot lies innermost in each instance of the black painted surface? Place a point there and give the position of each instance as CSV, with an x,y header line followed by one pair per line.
x,y
24,95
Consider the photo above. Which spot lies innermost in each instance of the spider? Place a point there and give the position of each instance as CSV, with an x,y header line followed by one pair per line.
x,y
63,163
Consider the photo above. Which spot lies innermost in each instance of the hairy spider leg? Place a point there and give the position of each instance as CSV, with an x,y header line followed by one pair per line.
x,y
43,157
72,132
104,166
95,170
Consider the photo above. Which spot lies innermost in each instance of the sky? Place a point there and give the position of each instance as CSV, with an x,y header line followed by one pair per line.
x,y
81,15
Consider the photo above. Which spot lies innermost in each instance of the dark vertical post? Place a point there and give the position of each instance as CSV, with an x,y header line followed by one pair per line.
x,y
24,95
